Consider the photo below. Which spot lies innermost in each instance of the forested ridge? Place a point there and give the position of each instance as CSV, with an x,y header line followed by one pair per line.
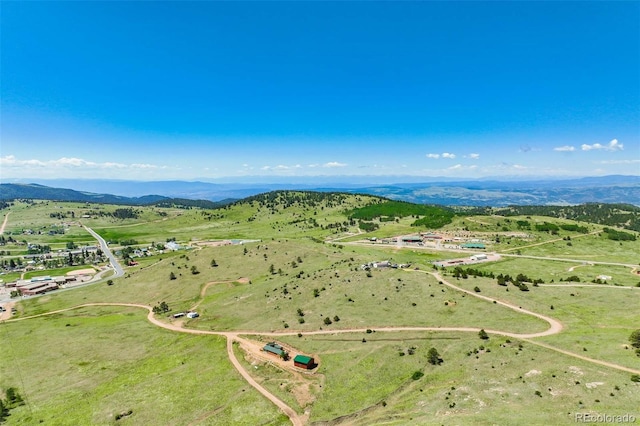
x,y
620,215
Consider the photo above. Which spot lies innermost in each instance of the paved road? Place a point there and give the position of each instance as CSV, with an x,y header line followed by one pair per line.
x,y
105,248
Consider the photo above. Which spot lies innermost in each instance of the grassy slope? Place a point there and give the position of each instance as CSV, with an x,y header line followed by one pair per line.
x,y
88,365
488,389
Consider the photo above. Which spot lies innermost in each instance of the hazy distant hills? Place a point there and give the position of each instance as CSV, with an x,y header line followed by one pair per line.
x,y
614,189
497,193
41,192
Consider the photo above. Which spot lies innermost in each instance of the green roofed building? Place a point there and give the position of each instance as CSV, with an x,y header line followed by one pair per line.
x,y
273,348
473,246
304,361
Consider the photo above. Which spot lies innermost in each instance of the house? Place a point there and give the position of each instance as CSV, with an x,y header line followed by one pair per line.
x,y
172,245
193,315
412,239
274,348
473,246
304,361
431,236
478,257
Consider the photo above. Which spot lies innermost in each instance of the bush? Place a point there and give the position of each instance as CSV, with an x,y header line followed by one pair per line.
x,y
417,375
434,357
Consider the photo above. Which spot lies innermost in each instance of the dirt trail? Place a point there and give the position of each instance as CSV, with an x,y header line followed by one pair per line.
x,y
203,291
255,349
548,242
4,223
555,326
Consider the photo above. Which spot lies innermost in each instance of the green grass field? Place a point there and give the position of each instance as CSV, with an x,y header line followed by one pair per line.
x,y
87,365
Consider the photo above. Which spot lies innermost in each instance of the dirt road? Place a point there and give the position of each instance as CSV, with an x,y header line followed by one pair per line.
x,y
255,349
4,223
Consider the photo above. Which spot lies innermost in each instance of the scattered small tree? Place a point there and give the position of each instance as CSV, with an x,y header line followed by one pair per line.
x,y
634,338
327,321
172,276
434,357
483,334
13,398
214,264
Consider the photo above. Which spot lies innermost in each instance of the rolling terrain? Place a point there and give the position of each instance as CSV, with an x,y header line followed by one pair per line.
x,y
422,190
537,336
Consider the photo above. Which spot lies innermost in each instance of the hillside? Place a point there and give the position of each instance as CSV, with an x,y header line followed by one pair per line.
x,y
11,191
621,215
296,268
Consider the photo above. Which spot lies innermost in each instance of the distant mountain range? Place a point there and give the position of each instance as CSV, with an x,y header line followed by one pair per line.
x,y
497,193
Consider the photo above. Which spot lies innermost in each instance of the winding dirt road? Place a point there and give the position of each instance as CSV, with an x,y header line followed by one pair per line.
x,y
299,420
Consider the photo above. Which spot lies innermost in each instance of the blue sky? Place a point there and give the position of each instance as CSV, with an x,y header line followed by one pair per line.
x,y
203,90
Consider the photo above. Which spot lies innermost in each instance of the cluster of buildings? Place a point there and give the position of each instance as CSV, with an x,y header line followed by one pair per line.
x,y
476,258
300,361
383,264
435,240
39,285
190,314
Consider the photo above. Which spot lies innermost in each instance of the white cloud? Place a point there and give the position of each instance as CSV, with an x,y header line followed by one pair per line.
x,y
619,162
614,145
474,156
566,148
64,162
586,147
281,167
461,167
333,164
443,155
138,166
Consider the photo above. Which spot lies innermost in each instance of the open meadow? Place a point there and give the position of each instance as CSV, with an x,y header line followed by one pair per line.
x,y
556,346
